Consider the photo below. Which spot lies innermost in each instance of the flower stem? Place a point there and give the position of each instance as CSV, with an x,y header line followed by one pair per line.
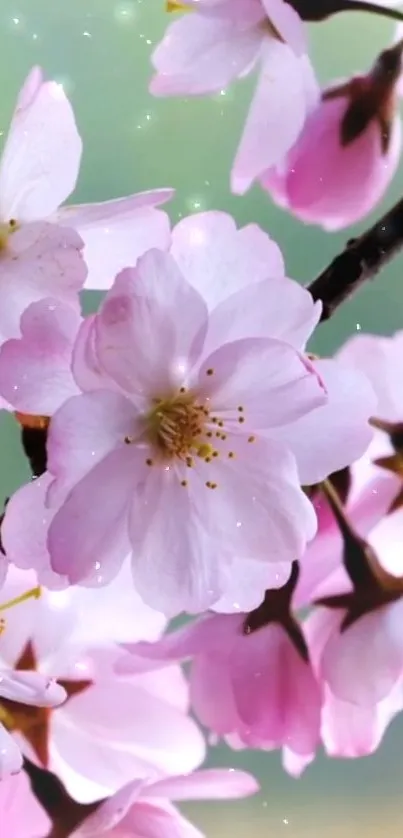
x,y
360,261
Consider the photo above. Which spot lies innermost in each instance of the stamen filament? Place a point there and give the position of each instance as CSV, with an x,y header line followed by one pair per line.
x,y
32,593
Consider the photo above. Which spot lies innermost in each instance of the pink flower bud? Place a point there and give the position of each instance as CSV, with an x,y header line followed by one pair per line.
x,y
348,151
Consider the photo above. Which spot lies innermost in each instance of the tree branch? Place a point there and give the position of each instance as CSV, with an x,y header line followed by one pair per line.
x,y
360,261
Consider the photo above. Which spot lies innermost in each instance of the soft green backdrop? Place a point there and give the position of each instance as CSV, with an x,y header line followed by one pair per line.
x,y
100,50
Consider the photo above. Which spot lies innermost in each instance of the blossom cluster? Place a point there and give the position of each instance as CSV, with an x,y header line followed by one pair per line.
x,y
190,457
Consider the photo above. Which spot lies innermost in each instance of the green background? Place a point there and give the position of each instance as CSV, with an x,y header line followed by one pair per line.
x,y
100,50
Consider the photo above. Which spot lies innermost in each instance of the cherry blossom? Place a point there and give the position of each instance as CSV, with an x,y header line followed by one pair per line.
x,y
215,43
348,151
146,807
108,728
122,444
21,816
39,170
250,680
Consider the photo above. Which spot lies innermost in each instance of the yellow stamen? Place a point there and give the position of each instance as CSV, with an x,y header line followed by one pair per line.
x,y
176,6
33,593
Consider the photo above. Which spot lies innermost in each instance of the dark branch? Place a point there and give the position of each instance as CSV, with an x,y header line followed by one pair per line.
x,y
361,260
318,10
64,812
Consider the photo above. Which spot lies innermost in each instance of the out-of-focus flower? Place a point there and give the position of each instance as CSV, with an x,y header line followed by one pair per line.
x,y
145,808
38,692
21,816
214,43
108,727
39,169
347,152
251,681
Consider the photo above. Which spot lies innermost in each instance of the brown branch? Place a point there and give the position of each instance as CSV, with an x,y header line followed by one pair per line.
x,y
360,261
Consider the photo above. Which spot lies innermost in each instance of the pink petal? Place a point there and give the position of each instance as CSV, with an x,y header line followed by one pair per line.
x,y
276,308
258,509
87,538
42,260
201,55
41,158
213,784
386,540
10,755
294,764
335,434
111,811
350,730
21,813
86,369
288,24
219,260
275,691
246,583
174,563
31,688
375,356
287,389
271,129
35,372
363,664
116,233
127,325
26,546
152,821
84,430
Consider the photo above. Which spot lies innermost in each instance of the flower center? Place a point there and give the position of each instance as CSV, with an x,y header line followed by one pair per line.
x,y
175,427
6,228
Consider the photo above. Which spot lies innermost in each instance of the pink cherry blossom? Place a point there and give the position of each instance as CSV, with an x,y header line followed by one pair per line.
x,y
146,807
39,169
215,43
21,816
256,688
347,153
139,479
109,727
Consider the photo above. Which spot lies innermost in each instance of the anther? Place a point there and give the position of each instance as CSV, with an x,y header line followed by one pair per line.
x,y
182,390
240,408
251,438
231,455
149,461
210,434
184,483
215,453
210,371
221,424
241,419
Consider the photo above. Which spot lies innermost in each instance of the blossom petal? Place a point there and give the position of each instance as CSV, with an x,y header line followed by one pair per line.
x,y
288,24
270,129
35,373
152,296
210,784
202,55
275,308
164,524
31,688
272,382
87,538
41,158
218,260
363,663
20,809
116,233
336,433
10,754
83,431
42,260
258,509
